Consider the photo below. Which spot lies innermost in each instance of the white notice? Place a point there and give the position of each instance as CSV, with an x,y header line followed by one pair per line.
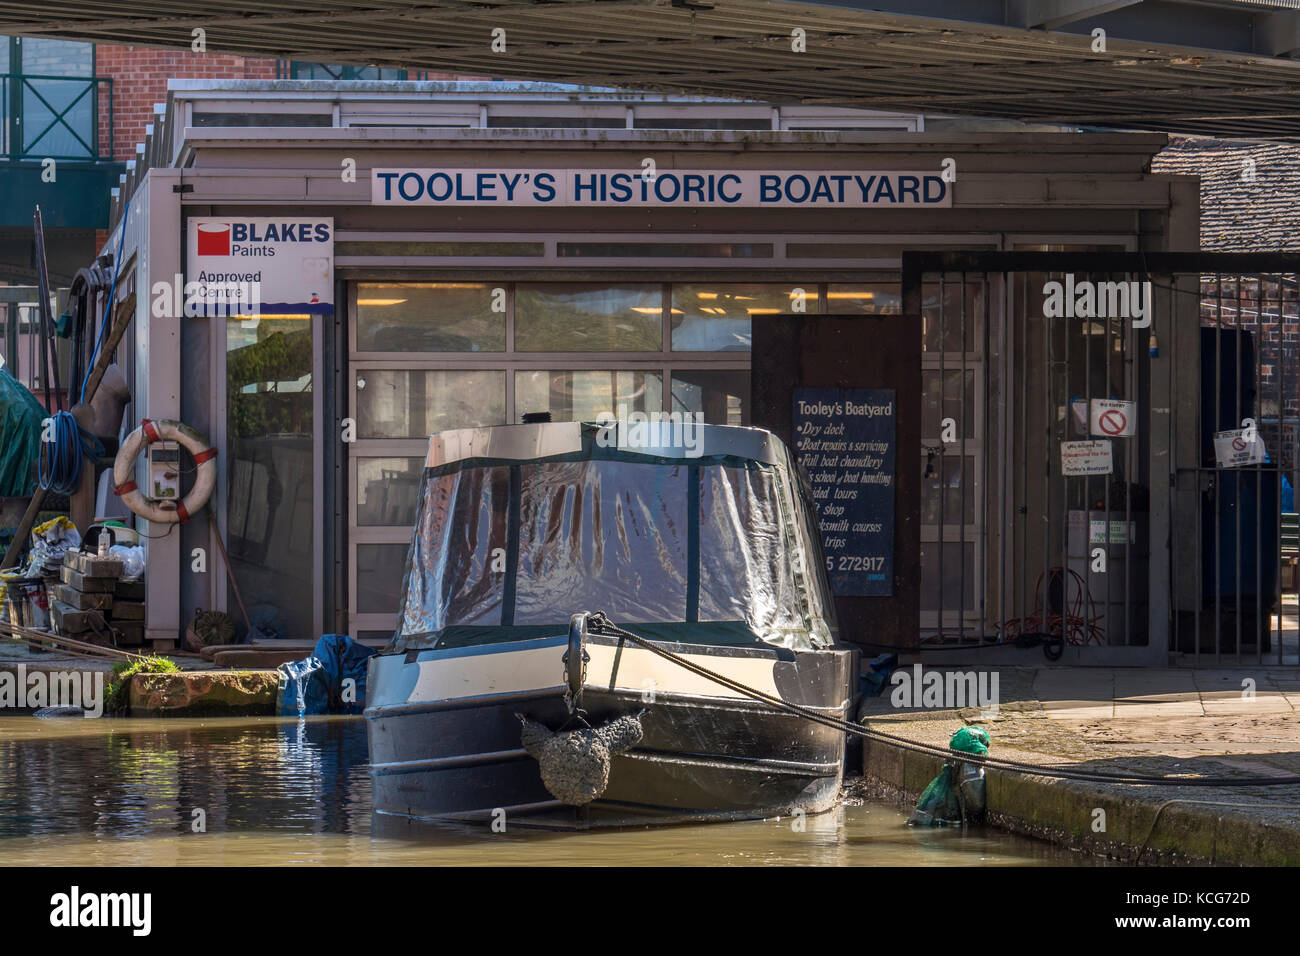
x,y
1239,446
1113,419
1086,458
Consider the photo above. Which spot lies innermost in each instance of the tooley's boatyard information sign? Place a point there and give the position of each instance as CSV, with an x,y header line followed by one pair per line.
x,y
824,188
845,440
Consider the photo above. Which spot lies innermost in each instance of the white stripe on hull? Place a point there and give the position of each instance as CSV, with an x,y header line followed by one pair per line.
x,y
644,672
539,667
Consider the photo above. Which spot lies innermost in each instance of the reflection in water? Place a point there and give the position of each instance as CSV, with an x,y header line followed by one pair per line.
x,y
273,791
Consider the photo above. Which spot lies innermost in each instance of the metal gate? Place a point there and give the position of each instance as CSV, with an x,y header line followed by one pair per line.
x,y
1139,423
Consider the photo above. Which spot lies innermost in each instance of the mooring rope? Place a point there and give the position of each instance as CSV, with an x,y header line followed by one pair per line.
x,y
600,623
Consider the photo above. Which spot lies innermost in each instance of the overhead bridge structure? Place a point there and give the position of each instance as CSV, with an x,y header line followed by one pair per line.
x,y
1221,67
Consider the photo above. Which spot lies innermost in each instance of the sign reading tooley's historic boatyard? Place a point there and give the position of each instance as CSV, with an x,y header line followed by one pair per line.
x,y
845,440
782,188
261,267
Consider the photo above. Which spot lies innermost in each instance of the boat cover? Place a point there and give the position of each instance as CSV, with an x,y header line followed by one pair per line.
x,y
20,437
714,549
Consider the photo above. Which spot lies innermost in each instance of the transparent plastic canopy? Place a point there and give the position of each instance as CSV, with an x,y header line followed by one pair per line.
x,y
721,545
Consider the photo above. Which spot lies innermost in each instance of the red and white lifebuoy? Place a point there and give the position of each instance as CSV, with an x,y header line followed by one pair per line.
x,y
164,512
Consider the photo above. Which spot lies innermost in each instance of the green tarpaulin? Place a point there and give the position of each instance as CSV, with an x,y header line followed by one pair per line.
x,y
20,437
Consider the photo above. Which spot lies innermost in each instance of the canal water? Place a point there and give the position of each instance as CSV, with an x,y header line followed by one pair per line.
x,y
86,792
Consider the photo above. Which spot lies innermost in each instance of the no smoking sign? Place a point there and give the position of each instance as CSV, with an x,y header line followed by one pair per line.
x,y
1112,419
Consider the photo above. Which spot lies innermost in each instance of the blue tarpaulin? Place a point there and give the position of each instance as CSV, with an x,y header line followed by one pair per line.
x,y
331,681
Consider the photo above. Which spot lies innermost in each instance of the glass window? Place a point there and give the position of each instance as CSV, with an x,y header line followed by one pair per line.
x,y
716,318
941,309
673,250
868,298
430,317
42,57
402,403
935,407
583,395
721,394
944,494
269,469
942,316
380,568
588,317
388,490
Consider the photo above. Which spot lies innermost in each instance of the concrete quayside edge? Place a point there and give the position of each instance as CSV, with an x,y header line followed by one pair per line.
x,y
1139,826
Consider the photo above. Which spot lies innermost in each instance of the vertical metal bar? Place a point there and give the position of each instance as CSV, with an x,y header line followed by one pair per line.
x,y
1171,396
1218,474
1257,414
965,478
1045,573
1198,595
1087,483
1109,349
1236,473
1022,516
1128,356
943,461
1064,577
1281,431
983,536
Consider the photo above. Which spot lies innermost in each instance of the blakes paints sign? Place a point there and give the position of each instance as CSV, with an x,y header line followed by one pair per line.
x,y
667,188
289,261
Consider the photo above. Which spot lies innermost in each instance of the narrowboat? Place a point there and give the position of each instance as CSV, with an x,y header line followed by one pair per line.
x,y
501,698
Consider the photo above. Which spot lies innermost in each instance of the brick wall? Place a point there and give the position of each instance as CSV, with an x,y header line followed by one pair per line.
x,y
140,76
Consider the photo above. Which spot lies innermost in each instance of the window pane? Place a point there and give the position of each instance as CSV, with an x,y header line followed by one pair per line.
x,y
459,531
943,492
716,318
397,403
868,298
604,534
935,407
43,57
942,316
588,317
379,577
721,394
388,490
583,395
269,466
429,317
59,117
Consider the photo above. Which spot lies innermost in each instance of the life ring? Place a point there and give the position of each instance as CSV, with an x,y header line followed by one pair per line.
x,y
164,512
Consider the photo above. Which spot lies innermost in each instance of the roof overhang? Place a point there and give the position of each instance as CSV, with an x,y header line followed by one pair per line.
x,y
1221,67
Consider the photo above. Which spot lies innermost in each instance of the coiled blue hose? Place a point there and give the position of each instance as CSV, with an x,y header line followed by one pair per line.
x,y
62,459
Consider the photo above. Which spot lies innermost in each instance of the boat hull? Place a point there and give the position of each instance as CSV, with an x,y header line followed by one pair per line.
x,y
445,744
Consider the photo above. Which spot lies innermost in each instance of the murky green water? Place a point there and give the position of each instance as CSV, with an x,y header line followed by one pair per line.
x,y
269,791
